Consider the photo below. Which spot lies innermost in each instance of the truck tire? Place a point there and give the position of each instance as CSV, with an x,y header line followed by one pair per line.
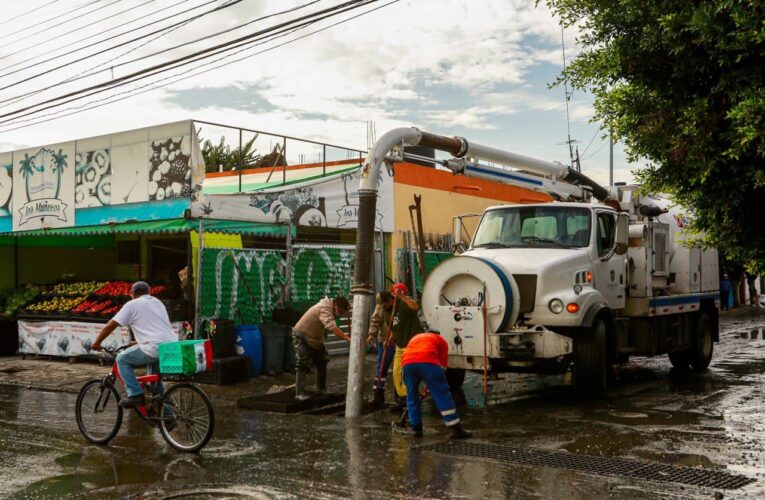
x,y
680,359
701,354
590,367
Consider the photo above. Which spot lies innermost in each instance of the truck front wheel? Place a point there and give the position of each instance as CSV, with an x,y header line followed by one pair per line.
x,y
701,354
590,370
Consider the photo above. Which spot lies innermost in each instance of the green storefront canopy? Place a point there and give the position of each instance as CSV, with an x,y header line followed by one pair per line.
x,y
168,226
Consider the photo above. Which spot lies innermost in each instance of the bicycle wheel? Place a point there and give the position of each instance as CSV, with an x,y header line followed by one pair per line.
x,y
98,413
186,417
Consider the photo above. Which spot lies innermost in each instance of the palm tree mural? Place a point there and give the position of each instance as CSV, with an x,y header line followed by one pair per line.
x,y
34,168
59,164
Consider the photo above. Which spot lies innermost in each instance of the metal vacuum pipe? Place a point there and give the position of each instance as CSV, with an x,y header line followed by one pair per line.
x,y
363,288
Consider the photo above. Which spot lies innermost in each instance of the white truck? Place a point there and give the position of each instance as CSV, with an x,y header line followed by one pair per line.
x,y
570,283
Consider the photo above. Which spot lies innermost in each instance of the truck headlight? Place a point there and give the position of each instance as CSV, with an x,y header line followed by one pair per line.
x,y
556,306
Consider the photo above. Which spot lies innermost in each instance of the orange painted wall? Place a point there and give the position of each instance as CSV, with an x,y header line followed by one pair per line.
x,y
444,196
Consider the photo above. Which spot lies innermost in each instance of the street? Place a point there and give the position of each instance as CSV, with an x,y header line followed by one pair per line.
x,y
714,421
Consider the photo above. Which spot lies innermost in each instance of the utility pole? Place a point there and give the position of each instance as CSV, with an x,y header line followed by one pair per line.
x,y
610,160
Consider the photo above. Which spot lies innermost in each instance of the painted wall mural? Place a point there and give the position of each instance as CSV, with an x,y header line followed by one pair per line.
x,y
6,183
331,201
169,169
93,178
97,173
321,272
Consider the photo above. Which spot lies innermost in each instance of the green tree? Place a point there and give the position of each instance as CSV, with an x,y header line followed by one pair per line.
x,y
244,156
682,84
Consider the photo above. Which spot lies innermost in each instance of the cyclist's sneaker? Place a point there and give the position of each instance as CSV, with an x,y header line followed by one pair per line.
x,y
133,401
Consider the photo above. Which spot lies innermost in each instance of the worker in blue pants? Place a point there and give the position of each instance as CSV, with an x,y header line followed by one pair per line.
x,y
425,360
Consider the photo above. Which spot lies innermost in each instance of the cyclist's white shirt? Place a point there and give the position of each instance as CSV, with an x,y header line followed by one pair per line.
x,y
148,319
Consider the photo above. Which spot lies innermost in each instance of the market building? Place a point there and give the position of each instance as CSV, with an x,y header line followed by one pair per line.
x,y
80,219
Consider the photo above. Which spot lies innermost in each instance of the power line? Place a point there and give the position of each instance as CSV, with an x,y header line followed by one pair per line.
x,y
57,37
90,44
55,18
122,44
28,12
590,143
111,100
165,66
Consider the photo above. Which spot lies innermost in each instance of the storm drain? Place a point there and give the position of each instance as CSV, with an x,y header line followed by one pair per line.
x,y
603,466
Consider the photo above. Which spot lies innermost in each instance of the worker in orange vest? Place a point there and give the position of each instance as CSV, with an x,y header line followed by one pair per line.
x,y
425,360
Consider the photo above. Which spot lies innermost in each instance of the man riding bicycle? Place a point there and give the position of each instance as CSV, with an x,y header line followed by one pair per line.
x,y
147,318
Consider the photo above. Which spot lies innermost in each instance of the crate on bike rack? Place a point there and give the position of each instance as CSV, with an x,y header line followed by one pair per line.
x,y
185,357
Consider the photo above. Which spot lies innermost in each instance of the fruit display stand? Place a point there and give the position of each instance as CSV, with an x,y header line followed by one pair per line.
x,y
66,318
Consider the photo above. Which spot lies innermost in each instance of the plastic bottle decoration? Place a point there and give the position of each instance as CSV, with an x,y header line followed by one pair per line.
x,y
187,331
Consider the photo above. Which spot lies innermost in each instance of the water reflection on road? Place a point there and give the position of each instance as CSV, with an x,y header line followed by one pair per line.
x,y
712,420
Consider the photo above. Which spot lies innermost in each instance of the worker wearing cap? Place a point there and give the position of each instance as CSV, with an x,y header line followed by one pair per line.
x,y
147,318
425,360
405,324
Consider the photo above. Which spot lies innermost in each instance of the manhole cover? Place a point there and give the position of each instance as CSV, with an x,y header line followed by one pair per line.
x,y
604,466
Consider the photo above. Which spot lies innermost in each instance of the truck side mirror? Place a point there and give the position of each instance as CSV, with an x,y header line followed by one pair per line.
x,y
458,230
621,238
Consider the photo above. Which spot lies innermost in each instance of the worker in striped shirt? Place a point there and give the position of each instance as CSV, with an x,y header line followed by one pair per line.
x,y
425,360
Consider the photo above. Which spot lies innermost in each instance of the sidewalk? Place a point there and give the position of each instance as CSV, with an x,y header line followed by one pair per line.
x,y
58,375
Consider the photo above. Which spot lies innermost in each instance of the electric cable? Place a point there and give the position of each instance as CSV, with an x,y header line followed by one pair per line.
x,y
91,43
122,44
165,66
58,37
55,18
27,12
9,124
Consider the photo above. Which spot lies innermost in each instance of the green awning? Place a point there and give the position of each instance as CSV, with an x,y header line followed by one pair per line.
x,y
169,226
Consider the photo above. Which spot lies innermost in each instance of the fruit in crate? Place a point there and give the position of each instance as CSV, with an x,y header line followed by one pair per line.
x,y
92,306
77,289
158,290
16,299
56,304
115,289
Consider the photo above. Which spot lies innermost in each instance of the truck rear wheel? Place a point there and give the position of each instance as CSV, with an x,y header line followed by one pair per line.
x,y
590,370
680,359
701,354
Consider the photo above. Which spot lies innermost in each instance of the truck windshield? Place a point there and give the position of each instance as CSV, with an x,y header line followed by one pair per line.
x,y
534,227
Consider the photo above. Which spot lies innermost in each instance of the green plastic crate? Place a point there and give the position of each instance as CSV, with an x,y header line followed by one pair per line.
x,y
178,357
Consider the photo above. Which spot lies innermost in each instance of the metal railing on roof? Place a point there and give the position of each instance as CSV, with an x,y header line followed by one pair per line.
x,y
244,151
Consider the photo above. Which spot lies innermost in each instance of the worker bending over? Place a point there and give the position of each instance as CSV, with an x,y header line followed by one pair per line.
x,y
425,360
308,339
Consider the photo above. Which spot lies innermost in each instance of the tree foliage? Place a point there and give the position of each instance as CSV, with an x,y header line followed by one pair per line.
x,y
682,84
221,154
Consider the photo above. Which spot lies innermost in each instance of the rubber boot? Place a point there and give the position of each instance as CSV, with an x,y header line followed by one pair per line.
x,y
399,405
300,394
379,399
417,431
321,379
458,432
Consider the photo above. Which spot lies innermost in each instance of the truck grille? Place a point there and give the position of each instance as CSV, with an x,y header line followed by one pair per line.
x,y
527,285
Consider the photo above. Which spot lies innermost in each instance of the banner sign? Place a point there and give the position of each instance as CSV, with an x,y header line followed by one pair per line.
x,y
70,338
331,201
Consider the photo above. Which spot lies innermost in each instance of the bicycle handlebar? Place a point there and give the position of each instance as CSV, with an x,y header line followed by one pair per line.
x,y
113,351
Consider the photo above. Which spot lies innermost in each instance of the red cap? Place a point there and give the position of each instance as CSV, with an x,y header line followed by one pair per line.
x,y
399,288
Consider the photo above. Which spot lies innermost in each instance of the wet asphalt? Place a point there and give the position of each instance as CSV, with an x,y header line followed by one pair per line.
x,y
710,420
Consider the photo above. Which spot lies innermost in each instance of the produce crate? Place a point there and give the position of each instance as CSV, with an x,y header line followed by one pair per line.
x,y
185,357
226,371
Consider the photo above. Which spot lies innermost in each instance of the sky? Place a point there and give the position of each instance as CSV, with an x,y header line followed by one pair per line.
x,y
478,69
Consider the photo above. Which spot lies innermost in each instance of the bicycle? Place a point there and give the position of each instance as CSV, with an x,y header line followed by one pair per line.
x,y
183,413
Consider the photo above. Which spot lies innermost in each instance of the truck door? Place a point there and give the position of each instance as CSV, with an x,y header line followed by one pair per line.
x,y
609,277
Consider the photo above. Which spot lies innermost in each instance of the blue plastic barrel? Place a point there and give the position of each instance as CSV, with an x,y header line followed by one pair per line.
x,y
250,343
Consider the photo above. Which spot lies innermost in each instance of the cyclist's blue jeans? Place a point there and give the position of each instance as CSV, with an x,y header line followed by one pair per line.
x,y
127,361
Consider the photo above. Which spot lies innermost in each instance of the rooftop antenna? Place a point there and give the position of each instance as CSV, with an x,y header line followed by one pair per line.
x,y
570,142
